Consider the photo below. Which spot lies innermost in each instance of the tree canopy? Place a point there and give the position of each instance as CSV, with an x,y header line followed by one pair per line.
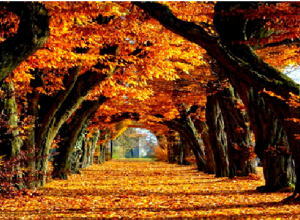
x,y
208,77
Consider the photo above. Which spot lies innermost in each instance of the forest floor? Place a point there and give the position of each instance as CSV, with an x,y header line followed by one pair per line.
x,y
147,190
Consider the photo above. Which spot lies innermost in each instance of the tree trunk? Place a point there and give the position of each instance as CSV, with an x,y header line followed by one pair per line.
x,y
186,152
181,154
32,34
189,135
217,135
273,79
237,127
85,151
268,133
176,147
69,134
202,128
55,111
102,148
171,146
104,153
43,108
101,157
10,142
94,141
240,61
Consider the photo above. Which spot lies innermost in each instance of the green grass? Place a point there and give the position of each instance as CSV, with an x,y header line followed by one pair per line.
x,y
136,159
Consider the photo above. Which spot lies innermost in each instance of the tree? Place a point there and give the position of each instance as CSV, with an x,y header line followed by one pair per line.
x,y
24,36
24,29
103,59
239,60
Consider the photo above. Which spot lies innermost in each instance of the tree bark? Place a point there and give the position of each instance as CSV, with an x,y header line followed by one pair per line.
x,y
171,147
202,128
279,107
32,34
189,135
70,132
217,135
94,140
101,147
10,141
268,133
237,127
85,154
57,115
240,62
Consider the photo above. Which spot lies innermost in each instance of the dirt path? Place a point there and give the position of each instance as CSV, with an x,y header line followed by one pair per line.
x,y
148,190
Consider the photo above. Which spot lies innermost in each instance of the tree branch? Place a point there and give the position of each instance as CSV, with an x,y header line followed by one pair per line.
x,y
32,34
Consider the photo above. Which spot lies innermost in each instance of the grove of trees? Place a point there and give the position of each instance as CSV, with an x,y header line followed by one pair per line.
x,y
207,78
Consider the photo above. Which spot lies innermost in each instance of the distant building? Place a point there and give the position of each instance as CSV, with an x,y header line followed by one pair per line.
x,y
141,151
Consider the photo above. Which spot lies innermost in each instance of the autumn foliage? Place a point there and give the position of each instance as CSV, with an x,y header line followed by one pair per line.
x,y
15,177
160,154
204,77
148,190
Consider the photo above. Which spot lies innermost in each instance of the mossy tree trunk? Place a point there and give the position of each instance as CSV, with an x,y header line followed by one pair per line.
x,y
32,34
240,60
10,140
273,79
77,154
94,141
84,162
217,135
271,144
237,127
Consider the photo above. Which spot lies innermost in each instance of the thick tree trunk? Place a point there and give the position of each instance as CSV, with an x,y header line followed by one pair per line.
x,y
57,115
32,34
278,171
85,153
240,61
77,154
189,135
101,154
94,141
217,135
202,128
70,132
237,127
101,148
268,133
273,79
10,141
171,147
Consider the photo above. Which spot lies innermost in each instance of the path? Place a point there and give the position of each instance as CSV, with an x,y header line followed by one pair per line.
x,y
148,190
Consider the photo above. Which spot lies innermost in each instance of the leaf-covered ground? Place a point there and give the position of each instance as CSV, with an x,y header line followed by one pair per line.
x,y
148,190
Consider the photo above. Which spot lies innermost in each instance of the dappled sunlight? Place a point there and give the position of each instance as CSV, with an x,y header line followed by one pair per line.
x,y
149,190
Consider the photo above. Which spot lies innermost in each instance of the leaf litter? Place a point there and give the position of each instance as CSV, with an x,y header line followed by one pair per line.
x,y
149,190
